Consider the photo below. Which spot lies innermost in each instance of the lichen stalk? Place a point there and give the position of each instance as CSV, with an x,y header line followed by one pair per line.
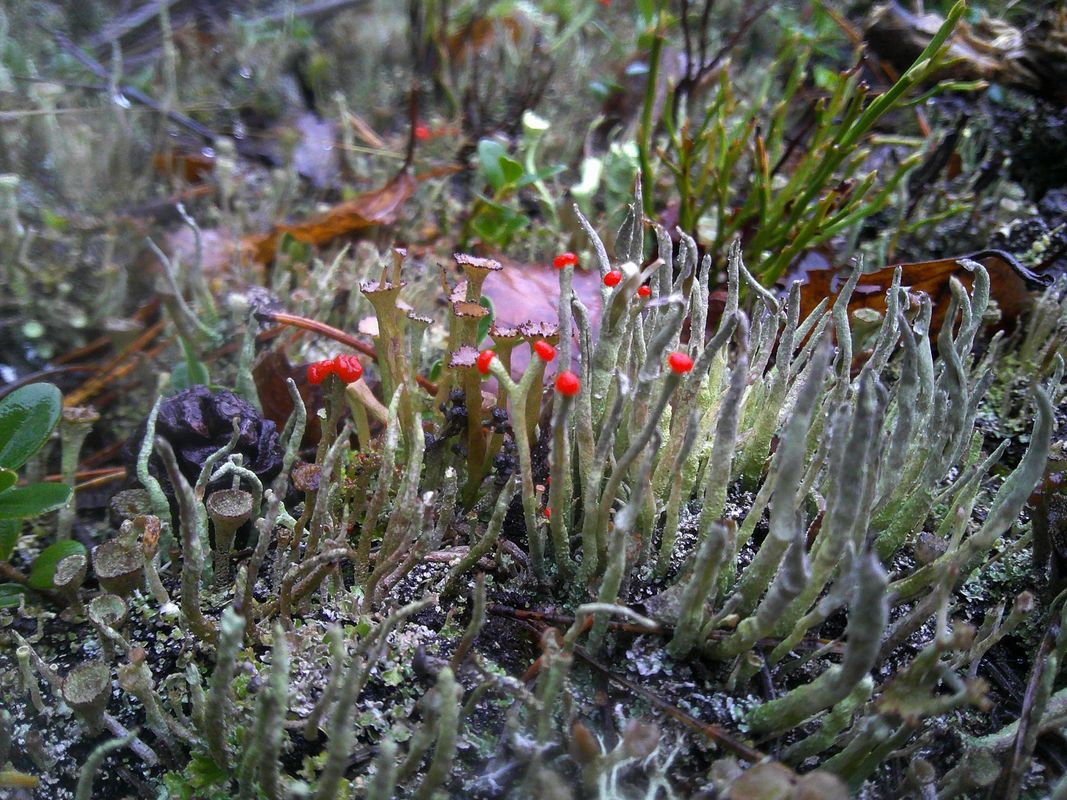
x,y
87,773
192,533
447,727
217,714
488,540
625,522
698,589
868,616
560,490
517,394
74,426
157,497
270,718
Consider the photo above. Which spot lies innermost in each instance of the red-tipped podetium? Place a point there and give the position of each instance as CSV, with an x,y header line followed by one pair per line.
x,y
644,292
565,260
544,350
613,278
679,362
567,384
318,371
485,358
348,368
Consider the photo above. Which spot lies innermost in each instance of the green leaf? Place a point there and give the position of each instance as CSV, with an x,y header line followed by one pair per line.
x,y
10,594
43,569
495,165
486,322
9,536
32,501
186,375
190,372
436,369
512,170
7,479
27,418
489,155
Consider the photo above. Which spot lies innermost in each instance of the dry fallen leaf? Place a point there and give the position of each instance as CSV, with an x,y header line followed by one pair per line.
x,y
530,292
191,167
476,36
270,374
377,207
1009,285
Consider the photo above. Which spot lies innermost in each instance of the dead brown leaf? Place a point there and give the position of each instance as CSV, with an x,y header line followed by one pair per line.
x,y
1010,285
191,167
378,207
270,375
477,34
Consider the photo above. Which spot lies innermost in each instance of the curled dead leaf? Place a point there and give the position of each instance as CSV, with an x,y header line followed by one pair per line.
x,y
378,207
1009,285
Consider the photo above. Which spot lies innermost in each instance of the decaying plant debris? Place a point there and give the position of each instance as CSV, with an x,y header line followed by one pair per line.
x,y
361,527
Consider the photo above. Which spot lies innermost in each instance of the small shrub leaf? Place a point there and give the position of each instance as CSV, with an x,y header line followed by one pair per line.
x,y
27,418
44,566
31,501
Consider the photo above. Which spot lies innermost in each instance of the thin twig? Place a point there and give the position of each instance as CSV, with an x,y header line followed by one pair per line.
x,y
337,335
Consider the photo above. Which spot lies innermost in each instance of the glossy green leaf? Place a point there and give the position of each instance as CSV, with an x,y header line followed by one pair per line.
x,y
10,594
436,369
7,479
32,501
186,375
500,170
27,418
9,535
486,322
43,569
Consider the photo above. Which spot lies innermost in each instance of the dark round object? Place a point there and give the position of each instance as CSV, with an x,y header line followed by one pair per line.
x,y
197,422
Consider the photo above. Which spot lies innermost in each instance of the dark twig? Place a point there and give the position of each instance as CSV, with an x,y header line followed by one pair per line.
x,y
551,618
130,92
715,733
1038,688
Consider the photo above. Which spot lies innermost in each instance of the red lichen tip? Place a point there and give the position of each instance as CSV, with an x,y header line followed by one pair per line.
x,y
565,260
348,368
567,384
644,291
485,358
613,278
318,371
544,350
679,362
422,133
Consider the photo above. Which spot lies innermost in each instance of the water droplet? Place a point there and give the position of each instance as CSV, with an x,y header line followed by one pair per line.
x,y
208,152
121,100
239,130
246,73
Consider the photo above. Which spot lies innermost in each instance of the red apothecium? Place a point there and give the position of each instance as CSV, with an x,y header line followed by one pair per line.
x,y
567,384
485,358
544,350
679,362
567,259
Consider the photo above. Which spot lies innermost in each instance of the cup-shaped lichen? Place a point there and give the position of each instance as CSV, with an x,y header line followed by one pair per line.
x,y
119,566
108,609
228,509
68,577
74,425
127,504
86,689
